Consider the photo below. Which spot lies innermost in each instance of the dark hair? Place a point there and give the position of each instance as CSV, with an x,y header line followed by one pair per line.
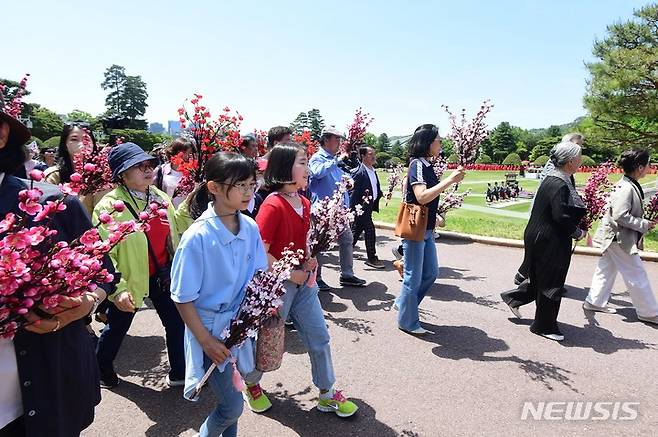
x,y
419,144
11,158
65,160
226,168
630,160
279,165
180,144
276,134
363,150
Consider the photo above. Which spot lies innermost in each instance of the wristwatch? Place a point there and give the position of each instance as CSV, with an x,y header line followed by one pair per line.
x,y
97,301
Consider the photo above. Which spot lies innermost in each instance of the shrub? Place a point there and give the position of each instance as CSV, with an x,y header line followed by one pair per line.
x,y
512,159
382,159
51,143
588,162
483,159
142,138
541,160
453,159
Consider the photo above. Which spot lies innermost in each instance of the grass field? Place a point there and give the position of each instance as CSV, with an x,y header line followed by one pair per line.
x,y
493,224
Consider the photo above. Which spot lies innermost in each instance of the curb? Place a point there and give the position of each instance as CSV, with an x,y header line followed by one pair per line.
x,y
508,242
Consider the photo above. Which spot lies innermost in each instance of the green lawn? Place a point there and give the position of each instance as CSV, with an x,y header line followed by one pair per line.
x,y
492,225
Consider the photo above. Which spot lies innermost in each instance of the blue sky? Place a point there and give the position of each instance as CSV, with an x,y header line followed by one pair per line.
x,y
270,60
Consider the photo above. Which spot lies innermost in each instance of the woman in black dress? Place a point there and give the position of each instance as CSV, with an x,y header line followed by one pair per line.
x,y
553,225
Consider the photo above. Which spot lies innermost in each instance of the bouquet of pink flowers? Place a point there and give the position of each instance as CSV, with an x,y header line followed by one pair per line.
x,y
37,271
596,194
451,200
651,209
14,106
92,170
439,165
262,300
356,132
394,178
468,135
330,217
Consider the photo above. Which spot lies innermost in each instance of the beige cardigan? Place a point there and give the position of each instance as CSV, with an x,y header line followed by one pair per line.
x,y
623,220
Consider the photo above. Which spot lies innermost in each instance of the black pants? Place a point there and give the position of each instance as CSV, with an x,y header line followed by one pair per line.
x,y
14,429
118,323
363,223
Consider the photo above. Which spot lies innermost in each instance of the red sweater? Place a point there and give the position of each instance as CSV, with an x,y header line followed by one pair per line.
x,y
280,224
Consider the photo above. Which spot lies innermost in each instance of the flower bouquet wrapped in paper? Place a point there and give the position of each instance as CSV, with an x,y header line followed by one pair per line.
x,y
651,209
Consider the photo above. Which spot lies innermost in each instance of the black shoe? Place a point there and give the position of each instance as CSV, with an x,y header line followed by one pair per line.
x,y
375,263
323,286
109,379
518,278
352,281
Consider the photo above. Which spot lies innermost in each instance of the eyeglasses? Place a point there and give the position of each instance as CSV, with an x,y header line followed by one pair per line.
x,y
245,188
145,166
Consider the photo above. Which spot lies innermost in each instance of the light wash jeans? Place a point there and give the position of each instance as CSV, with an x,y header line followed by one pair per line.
x,y
302,305
421,268
223,421
345,253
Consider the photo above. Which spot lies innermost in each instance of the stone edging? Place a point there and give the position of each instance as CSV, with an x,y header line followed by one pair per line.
x,y
508,242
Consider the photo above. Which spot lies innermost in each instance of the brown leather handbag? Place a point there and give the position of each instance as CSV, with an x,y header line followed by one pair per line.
x,y
412,222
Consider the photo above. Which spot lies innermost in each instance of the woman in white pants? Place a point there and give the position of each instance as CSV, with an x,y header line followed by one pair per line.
x,y
621,235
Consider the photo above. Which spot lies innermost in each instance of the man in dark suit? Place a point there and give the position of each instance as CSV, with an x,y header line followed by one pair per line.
x,y
366,193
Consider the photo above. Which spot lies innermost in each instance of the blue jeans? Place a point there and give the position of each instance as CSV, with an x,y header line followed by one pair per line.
x,y
421,268
223,421
118,323
303,306
345,255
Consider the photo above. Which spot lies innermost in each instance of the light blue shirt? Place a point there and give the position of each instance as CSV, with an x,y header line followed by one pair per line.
x,y
211,268
324,175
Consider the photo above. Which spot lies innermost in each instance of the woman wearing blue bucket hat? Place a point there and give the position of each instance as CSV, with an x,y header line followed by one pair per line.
x,y
142,260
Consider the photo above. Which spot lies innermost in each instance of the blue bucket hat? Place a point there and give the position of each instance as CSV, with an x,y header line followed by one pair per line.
x,y
124,156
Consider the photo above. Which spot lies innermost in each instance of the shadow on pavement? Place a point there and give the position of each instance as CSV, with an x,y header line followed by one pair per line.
x,y
466,342
454,273
171,413
287,410
374,292
450,293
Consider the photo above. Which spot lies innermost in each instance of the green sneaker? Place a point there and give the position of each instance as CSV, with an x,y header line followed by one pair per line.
x,y
256,399
338,404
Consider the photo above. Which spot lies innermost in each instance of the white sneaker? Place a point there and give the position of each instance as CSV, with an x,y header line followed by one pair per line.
x,y
591,307
515,311
396,254
418,331
556,337
395,307
175,382
653,319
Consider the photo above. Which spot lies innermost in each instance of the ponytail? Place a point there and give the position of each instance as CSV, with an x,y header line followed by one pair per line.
x,y
198,200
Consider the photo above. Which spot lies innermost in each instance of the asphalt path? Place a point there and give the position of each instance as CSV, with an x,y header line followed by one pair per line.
x,y
470,378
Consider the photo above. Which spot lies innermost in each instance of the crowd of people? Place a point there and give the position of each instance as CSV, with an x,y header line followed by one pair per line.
x,y
502,192
194,261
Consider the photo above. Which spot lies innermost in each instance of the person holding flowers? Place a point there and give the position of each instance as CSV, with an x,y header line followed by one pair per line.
x,y
49,377
217,257
620,236
168,175
553,225
74,135
325,173
285,218
421,264
142,259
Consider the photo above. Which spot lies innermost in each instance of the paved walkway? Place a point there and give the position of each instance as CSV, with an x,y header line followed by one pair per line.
x,y
468,379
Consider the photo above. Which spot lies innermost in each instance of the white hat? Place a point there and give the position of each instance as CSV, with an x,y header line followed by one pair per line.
x,y
331,130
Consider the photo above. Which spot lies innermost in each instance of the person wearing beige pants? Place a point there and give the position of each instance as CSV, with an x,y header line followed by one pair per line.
x,y
620,235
